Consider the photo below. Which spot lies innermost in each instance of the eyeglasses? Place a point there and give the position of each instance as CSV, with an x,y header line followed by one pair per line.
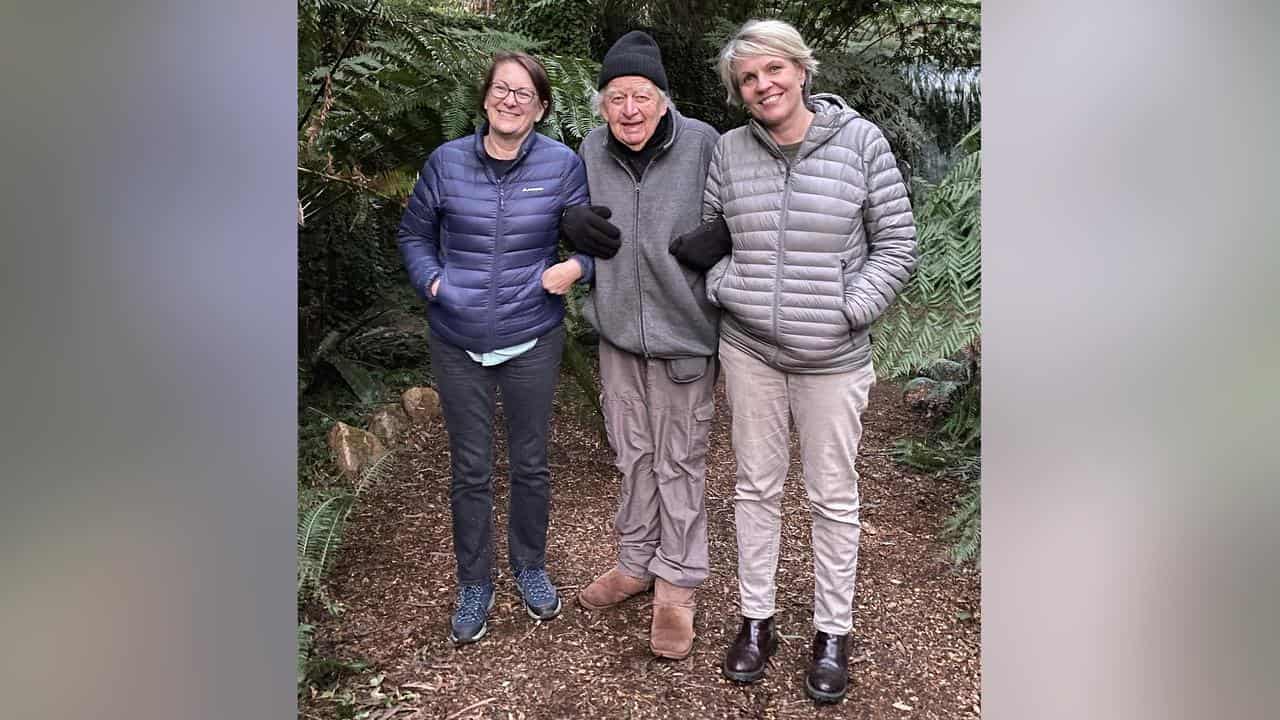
x,y
524,96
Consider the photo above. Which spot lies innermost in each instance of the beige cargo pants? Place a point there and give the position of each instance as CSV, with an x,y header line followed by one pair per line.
x,y
828,415
658,428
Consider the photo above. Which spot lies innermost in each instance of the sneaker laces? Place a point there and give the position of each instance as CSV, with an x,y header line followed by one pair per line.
x,y
473,605
536,587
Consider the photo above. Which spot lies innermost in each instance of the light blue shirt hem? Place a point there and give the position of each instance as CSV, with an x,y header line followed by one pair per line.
x,y
501,355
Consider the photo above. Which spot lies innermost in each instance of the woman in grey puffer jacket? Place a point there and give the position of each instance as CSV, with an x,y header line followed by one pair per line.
x,y
823,239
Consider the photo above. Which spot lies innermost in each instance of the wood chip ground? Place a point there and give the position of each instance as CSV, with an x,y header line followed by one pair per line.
x,y
917,618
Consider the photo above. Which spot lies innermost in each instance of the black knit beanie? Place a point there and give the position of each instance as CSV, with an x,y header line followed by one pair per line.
x,y
634,54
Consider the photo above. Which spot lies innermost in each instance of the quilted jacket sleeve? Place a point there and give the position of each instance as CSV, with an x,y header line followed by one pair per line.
x,y
574,192
891,235
419,233
713,206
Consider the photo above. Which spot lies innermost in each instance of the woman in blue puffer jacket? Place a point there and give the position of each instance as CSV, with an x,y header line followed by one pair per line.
x,y
479,240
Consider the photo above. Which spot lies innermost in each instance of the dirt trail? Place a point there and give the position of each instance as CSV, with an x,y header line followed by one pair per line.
x,y
916,621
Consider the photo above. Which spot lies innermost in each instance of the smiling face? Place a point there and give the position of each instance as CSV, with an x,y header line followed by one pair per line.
x,y
510,116
632,107
772,89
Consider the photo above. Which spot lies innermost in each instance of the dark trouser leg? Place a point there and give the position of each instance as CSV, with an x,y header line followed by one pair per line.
x,y
528,385
467,399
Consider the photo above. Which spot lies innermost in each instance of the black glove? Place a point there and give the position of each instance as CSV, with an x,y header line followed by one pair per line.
x,y
703,246
588,230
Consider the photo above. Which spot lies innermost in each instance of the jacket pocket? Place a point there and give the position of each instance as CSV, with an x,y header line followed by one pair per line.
x,y
715,279
439,297
845,308
699,431
687,370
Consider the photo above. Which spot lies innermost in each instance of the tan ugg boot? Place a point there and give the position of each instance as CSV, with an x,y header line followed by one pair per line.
x,y
610,589
671,635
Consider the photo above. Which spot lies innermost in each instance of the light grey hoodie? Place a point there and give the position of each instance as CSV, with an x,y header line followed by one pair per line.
x,y
821,246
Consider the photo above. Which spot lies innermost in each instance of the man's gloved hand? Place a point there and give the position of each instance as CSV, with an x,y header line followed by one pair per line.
x,y
703,246
588,230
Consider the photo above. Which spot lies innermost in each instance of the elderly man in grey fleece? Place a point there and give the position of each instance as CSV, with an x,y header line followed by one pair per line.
x,y
646,170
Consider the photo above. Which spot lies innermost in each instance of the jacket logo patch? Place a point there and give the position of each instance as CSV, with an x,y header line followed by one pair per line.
x,y
534,189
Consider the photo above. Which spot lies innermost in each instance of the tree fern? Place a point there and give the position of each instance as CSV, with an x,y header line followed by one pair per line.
x,y
410,83
939,311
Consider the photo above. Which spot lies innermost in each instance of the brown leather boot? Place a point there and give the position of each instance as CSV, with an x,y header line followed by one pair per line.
x,y
671,635
749,654
610,589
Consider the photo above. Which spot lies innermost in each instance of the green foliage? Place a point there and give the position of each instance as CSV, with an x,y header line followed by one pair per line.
x,y
408,80
954,450
306,637
562,27
939,311
320,527
964,527
880,92
942,33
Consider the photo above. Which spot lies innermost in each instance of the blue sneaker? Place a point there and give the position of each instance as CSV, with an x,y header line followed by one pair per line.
x,y
541,600
471,618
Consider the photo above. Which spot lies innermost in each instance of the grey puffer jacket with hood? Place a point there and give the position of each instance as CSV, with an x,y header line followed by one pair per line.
x,y
821,247
643,300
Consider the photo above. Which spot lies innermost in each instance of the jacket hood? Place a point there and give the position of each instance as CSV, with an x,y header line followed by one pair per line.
x,y
830,113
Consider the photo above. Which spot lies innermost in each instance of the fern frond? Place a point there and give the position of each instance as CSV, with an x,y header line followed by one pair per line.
x,y
306,637
939,311
378,471
319,535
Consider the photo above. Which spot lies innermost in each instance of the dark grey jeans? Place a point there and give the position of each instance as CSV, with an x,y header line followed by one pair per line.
x,y
468,399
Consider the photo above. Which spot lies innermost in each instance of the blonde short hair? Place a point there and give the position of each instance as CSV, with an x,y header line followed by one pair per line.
x,y
763,37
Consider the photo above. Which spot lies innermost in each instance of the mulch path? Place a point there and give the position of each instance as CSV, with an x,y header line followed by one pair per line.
x,y
916,622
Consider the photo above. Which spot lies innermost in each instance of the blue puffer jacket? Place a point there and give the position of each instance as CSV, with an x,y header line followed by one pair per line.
x,y
490,239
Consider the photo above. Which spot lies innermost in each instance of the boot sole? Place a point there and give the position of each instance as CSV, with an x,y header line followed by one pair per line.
x,y
823,697
554,613
672,655
592,606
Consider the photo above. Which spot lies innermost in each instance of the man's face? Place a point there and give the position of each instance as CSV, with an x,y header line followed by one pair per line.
x,y
632,107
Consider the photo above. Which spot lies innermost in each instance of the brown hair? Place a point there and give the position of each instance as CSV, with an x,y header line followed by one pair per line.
x,y
536,71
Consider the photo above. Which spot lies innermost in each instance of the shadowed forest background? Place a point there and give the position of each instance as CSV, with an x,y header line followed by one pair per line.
x,y
383,83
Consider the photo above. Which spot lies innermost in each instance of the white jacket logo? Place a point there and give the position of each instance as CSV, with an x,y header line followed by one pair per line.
x,y
537,189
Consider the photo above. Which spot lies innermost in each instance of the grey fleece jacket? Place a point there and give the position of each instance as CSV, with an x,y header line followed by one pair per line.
x,y
821,245
643,300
